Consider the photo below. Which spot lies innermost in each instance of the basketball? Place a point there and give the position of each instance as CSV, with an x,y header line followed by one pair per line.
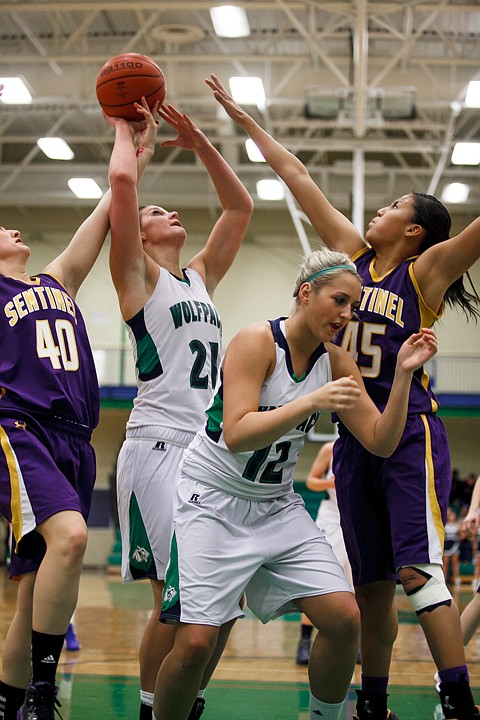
x,y
124,80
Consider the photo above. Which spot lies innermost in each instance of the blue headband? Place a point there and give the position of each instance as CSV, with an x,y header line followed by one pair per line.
x,y
332,267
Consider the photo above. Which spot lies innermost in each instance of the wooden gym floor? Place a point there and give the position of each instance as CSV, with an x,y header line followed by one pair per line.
x,y
257,679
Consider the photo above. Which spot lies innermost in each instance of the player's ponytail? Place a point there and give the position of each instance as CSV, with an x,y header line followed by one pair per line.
x,y
435,219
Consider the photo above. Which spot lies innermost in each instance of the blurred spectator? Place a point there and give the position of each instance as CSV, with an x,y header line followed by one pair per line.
x,y
456,492
469,484
451,553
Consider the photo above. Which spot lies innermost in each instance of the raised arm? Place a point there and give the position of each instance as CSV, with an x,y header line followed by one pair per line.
x,y
316,479
224,241
73,265
134,273
336,231
438,267
378,432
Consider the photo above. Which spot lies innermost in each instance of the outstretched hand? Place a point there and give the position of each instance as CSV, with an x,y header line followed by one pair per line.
x,y
145,117
417,350
147,130
471,524
189,136
226,101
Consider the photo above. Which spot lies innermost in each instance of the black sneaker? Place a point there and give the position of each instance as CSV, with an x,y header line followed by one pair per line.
x,y
457,700
373,706
197,709
303,651
40,702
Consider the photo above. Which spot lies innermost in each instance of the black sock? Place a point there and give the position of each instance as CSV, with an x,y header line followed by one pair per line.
x,y
146,712
306,632
46,651
11,700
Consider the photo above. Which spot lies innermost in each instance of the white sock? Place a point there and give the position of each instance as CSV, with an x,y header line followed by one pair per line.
x,y
146,698
201,693
326,711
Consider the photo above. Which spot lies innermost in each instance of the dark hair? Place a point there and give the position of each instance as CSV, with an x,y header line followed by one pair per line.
x,y
435,219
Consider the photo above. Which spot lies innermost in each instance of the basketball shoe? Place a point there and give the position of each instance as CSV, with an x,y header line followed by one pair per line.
x,y
373,706
197,709
71,640
40,702
303,651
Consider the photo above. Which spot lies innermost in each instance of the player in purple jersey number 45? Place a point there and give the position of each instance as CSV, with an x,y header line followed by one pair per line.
x,y
392,510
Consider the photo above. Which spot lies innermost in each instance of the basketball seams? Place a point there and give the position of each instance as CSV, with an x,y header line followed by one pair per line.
x,y
129,102
124,80
109,80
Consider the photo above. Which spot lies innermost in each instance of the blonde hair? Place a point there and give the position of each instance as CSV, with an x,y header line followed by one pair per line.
x,y
319,269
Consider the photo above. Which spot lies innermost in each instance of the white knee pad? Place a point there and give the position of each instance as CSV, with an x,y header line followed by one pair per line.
x,y
433,593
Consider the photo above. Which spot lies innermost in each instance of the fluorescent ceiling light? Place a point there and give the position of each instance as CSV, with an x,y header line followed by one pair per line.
x,y
465,153
472,98
248,91
55,148
455,193
254,154
270,190
85,188
230,21
14,91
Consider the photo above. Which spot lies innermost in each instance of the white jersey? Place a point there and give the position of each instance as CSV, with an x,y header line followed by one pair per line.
x,y
328,520
176,340
328,512
452,540
267,473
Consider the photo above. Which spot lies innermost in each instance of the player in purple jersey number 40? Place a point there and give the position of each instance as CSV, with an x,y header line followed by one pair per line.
x,y
48,408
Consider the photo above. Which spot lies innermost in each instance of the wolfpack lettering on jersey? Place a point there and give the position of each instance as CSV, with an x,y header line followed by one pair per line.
x,y
178,321
49,349
391,309
194,311
265,473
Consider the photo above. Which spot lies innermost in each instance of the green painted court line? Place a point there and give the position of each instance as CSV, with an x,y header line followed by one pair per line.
x,y
114,696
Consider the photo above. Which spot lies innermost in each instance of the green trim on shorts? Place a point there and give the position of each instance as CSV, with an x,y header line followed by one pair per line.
x,y
171,591
140,552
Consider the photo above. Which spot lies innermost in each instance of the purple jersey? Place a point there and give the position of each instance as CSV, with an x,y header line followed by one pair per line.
x,y
391,309
46,366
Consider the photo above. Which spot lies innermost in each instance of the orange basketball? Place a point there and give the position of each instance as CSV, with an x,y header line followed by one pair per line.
x,y
124,80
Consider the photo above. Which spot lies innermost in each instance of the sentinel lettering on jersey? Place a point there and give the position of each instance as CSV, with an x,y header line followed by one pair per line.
x,y
38,298
189,311
382,302
305,426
